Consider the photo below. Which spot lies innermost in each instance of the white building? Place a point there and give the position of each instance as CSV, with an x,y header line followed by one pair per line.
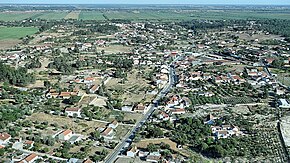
x,y
65,135
4,138
73,111
284,103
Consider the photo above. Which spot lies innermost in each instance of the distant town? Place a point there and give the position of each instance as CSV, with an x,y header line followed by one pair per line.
x,y
83,84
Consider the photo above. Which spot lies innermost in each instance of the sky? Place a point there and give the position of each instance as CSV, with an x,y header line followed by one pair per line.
x,y
250,2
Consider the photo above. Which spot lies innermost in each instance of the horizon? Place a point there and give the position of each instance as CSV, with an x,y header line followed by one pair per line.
x,y
149,2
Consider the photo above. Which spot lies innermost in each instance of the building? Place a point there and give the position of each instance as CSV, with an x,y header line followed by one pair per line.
x,y
284,103
153,157
4,138
140,108
132,151
28,144
114,124
107,133
65,135
73,112
177,111
94,89
30,158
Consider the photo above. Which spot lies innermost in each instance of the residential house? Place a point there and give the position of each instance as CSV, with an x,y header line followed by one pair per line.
x,y
225,131
153,157
4,138
28,144
73,112
65,135
107,133
140,108
94,89
177,111
114,124
284,103
30,158
132,152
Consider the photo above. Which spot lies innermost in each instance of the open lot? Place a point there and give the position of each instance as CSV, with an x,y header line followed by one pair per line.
x,y
82,127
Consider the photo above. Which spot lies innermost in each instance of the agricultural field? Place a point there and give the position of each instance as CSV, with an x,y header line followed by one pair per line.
x,y
9,33
53,15
73,15
16,16
91,15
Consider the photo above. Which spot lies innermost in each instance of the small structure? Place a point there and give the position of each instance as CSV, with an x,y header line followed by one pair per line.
x,y
65,135
133,150
153,157
114,124
30,158
140,108
4,138
28,144
284,103
73,112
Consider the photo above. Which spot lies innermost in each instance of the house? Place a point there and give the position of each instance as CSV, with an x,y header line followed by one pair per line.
x,y
107,133
73,112
28,144
65,135
210,119
225,131
65,95
87,161
153,157
284,103
163,116
140,108
30,158
4,138
127,108
94,89
133,150
178,111
89,80
114,124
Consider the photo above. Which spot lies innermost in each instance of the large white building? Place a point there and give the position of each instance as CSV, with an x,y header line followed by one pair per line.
x,y
283,103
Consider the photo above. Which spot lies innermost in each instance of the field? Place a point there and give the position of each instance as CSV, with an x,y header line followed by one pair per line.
x,y
8,33
53,15
91,15
150,14
73,15
82,127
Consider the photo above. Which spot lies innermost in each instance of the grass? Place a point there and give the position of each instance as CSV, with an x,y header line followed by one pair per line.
x,y
9,33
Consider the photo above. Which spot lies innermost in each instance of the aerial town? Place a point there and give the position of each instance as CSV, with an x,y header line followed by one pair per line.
x,y
144,85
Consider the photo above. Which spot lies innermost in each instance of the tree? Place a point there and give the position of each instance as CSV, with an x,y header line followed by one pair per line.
x,y
152,147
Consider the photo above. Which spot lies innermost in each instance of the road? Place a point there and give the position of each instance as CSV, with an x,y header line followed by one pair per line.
x,y
131,134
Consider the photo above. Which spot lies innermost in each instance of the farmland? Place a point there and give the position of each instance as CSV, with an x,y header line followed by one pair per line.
x,y
9,33
138,15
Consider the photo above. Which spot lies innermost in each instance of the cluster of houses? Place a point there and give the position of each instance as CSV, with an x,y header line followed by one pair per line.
x,y
222,131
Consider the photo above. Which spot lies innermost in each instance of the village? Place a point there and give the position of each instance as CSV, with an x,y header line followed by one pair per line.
x,y
177,94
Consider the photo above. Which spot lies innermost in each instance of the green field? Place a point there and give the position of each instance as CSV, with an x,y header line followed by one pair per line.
x,y
52,15
16,16
150,14
91,15
10,33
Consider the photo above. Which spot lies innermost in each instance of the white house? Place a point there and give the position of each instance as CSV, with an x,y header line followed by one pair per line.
x,y
73,111
132,151
284,103
4,138
114,124
153,157
65,135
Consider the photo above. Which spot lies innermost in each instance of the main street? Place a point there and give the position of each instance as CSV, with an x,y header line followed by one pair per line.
x,y
131,134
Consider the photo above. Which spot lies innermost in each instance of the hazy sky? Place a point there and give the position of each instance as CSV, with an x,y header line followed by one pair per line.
x,y
258,2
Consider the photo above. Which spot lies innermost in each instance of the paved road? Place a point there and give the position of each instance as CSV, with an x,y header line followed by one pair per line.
x,y
128,138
